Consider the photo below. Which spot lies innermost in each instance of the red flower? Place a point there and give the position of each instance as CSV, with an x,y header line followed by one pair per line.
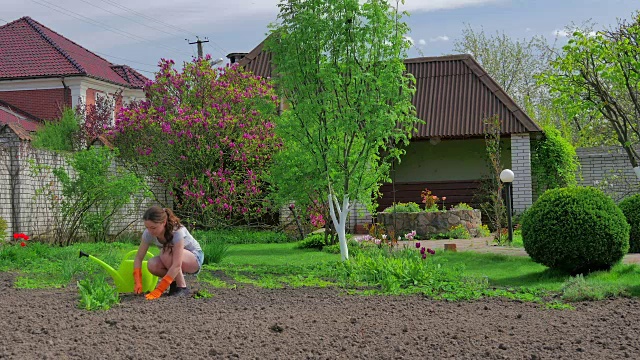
x,y
23,244
20,236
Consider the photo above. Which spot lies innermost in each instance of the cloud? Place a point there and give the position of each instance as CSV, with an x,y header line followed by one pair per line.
x,y
439,38
410,40
422,42
434,5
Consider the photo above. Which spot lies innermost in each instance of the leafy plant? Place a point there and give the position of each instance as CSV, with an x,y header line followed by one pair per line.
x,y
214,250
403,208
575,230
490,194
483,231
461,206
91,196
96,294
202,294
459,232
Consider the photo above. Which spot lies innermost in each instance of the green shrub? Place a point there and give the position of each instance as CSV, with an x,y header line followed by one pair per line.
x,y
236,236
483,231
58,135
403,208
461,206
631,209
575,230
313,241
459,232
214,251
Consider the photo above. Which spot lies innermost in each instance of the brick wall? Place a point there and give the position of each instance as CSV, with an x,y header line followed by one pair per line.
x,y
607,168
44,104
23,205
521,167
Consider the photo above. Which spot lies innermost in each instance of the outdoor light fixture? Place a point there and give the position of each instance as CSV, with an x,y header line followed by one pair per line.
x,y
507,176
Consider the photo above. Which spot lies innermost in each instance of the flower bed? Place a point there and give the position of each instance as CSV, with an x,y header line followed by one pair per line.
x,y
427,224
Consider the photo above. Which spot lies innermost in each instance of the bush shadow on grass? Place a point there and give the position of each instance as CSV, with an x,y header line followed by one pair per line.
x,y
547,278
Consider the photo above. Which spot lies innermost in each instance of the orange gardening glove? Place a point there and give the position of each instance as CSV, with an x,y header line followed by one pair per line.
x,y
137,278
164,284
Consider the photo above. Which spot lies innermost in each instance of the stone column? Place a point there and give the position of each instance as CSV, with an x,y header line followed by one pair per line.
x,y
521,167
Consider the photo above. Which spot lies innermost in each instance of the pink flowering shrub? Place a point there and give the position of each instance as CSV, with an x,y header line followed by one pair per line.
x,y
208,136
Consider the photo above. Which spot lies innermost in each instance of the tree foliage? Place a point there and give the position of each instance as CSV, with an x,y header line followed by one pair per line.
x,y
511,63
599,74
208,136
339,65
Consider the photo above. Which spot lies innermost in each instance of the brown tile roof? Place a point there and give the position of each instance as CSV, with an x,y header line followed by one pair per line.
x,y
29,49
453,96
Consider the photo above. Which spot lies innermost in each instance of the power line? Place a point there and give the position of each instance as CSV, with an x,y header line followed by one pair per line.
x,y
147,17
124,17
158,21
104,26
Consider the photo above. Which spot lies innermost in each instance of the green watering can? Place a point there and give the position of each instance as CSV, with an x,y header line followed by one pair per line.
x,y
123,277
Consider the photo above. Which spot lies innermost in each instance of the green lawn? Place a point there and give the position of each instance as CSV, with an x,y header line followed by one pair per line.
x,y
271,265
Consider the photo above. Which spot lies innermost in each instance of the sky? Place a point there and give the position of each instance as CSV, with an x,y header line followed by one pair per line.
x,y
139,33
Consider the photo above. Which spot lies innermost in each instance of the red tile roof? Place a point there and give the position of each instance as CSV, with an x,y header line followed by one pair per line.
x,y
12,116
29,49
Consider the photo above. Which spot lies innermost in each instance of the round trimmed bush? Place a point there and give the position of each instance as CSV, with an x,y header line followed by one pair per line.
x,y
576,230
631,209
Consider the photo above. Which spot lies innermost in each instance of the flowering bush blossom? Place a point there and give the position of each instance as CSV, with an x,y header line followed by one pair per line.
x,y
208,136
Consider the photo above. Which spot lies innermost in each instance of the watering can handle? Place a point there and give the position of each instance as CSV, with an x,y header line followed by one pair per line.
x,y
132,254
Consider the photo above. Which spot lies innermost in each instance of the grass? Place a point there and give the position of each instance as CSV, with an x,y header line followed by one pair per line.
x,y
275,255
284,264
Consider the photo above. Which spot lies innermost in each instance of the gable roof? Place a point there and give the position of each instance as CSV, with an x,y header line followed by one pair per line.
x,y
454,94
29,49
10,115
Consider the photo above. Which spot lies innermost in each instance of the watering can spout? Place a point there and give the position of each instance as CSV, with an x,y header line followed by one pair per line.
x,y
117,278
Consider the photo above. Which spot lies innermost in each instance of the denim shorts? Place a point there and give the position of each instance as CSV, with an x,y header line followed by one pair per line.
x,y
199,254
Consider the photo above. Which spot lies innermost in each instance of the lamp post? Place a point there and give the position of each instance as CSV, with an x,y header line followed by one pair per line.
x,y
507,176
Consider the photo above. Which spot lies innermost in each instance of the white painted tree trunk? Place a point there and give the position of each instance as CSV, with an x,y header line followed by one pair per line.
x,y
637,171
340,222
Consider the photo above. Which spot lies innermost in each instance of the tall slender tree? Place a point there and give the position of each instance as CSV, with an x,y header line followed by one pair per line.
x,y
339,65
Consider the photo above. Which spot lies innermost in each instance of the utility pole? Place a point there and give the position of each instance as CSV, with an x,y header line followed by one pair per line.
x,y
199,42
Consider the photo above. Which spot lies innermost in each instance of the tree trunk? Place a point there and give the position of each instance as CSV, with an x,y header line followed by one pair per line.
x,y
340,222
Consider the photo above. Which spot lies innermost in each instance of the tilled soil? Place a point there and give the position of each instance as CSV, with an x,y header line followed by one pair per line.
x,y
310,323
